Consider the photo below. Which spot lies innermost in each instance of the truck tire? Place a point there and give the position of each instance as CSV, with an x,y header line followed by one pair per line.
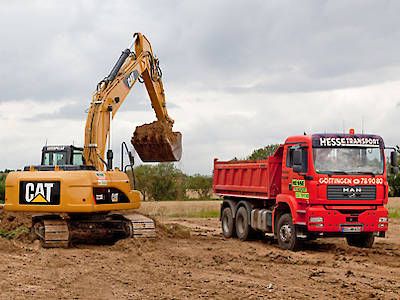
x,y
227,223
364,240
243,229
287,235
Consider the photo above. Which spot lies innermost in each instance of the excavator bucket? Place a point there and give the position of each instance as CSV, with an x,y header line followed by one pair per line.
x,y
156,142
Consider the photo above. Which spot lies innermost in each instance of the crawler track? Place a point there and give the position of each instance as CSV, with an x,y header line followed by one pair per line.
x,y
55,231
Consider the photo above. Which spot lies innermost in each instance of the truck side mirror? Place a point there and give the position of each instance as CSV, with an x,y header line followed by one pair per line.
x,y
297,160
394,158
297,157
394,169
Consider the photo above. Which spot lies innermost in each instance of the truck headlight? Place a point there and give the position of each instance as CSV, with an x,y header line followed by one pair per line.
x,y
316,219
383,219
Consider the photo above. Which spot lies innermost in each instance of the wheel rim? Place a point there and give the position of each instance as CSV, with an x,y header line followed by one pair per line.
x,y
285,233
240,224
225,225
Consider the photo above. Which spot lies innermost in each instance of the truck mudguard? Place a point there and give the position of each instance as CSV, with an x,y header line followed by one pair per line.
x,y
231,204
291,202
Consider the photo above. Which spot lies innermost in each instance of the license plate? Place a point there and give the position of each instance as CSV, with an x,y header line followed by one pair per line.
x,y
351,229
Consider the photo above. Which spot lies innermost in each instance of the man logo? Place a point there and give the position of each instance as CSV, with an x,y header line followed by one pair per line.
x,y
39,192
352,192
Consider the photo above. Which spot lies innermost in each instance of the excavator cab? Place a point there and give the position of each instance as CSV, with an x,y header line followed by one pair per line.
x,y
62,155
67,158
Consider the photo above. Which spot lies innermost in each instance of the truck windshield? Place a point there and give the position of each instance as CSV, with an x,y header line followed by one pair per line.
x,y
348,160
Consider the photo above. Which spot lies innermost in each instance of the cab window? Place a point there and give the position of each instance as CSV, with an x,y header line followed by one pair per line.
x,y
55,158
77,158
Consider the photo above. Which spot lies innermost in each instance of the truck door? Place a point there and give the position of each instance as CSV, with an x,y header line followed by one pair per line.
x,y
296,164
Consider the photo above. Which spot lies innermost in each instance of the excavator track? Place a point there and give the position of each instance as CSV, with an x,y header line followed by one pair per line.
x,y
52,233
56,232
142,226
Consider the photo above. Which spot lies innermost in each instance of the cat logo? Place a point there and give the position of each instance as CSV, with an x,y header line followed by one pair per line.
x,y
39,192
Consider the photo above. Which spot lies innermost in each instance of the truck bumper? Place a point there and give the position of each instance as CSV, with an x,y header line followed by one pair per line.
x,y
324,220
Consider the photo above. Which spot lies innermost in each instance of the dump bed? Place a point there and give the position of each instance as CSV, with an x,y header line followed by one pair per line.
x,y
259,179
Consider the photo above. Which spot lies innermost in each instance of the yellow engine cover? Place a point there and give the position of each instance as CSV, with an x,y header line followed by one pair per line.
x,y
69,191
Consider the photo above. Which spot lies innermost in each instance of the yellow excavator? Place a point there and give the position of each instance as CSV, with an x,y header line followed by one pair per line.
x,y
76,191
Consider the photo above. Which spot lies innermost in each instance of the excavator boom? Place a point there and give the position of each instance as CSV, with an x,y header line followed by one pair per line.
x,y
150,143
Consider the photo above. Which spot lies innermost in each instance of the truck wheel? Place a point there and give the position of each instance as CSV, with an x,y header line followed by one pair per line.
x,y
227,222
243,230
287,235
364,240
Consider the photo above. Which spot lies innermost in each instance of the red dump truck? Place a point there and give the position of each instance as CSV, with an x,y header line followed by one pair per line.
x,y
320,185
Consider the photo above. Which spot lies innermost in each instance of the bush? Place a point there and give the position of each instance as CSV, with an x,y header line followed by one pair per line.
x,y
201,184
2,186
3,176
161,182
394,181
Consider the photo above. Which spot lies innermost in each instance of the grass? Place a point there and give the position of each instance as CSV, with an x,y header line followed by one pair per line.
x,y
11,234
394,213
200,214
201,199
190,209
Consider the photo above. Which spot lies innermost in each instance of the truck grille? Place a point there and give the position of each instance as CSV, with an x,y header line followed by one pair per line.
x,y
346,192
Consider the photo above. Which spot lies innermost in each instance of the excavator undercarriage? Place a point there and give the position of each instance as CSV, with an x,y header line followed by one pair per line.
x,y
55,230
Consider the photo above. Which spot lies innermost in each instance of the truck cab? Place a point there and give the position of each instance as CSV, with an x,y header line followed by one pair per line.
x,y
320,185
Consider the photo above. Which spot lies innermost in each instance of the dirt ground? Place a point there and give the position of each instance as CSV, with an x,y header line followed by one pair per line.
x,y
191,259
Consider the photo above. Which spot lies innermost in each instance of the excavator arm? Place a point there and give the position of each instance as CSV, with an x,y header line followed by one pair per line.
x,y
151,143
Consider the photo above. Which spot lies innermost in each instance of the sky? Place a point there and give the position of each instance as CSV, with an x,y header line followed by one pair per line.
x,y
238,75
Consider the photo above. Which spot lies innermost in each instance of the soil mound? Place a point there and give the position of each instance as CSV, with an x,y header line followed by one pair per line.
x,y
12,220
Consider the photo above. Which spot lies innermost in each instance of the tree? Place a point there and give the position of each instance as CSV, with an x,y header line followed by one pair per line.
x,y
3,175
165,179
144,179
263,153
201,184
161,182
394,180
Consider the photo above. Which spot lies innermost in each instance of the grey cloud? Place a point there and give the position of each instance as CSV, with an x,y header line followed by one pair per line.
x,y
63,51
58,51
